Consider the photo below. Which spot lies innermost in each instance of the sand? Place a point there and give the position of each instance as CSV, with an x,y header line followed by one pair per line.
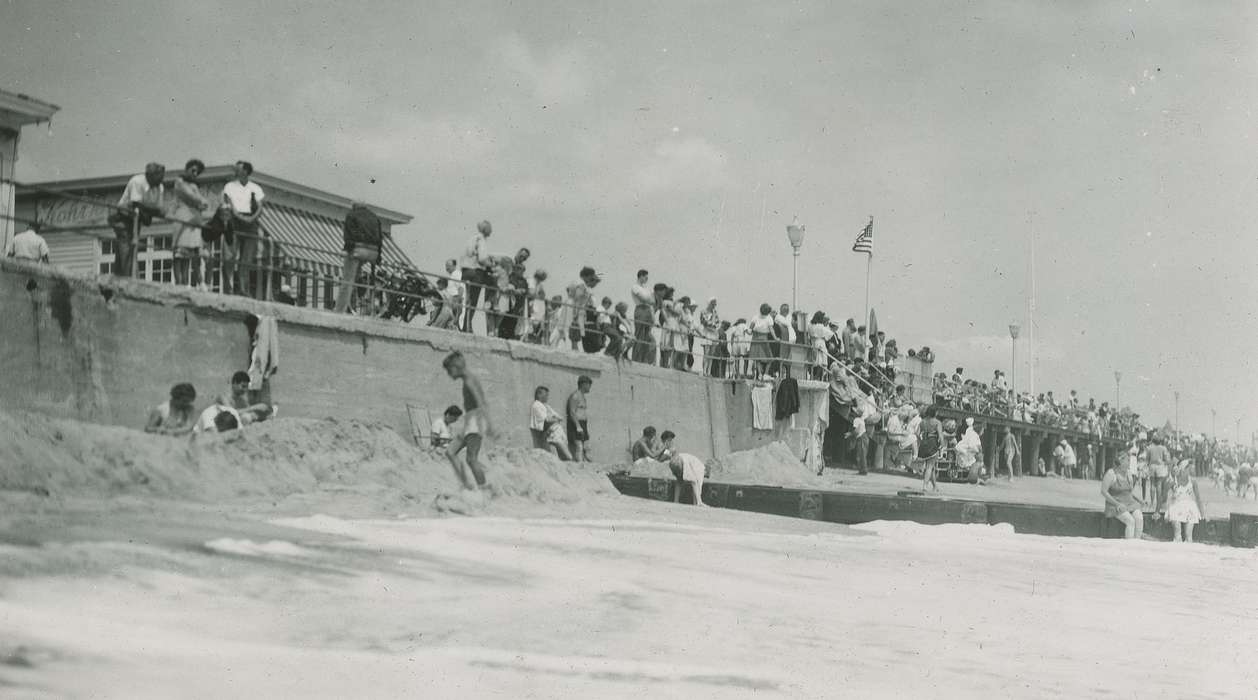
x,y
668,602
285,459
308,559
771,465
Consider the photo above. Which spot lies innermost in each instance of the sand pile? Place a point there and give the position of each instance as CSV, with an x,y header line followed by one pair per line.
x,y
277,458
771,465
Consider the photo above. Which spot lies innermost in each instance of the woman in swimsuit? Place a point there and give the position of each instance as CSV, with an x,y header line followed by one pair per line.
x,y
1120,502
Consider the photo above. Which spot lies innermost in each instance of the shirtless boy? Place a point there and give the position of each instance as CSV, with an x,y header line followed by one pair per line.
x,y
475,420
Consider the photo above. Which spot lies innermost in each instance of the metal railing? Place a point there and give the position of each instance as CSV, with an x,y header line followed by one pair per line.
x,y
392,291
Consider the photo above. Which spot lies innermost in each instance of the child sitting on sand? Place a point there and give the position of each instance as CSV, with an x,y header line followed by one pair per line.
x,y
1184,507
547,425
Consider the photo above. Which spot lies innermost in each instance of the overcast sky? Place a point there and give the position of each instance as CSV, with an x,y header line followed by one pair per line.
x,y
683,136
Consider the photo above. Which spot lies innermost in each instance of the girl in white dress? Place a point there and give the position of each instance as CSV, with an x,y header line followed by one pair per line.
x,y
1184,507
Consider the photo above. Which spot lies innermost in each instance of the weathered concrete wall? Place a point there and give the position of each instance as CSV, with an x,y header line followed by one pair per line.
x,y
107,350
793,431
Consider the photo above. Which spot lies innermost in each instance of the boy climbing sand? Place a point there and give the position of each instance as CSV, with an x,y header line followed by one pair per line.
x,y
475,420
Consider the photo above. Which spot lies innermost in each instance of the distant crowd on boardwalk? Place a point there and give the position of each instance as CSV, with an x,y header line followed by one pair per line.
x,y
656,324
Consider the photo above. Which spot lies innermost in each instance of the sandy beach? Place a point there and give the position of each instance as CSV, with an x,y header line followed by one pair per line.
x,y
560,588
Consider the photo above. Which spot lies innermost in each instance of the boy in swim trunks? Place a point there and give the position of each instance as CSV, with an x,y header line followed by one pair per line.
x,y
475,421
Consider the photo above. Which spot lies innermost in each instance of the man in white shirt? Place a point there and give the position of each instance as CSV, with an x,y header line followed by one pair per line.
x,y
441,432
476,263
28,245
245,199
141,200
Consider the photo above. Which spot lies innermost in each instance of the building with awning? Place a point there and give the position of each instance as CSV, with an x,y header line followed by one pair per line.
x,y
301,227
16,111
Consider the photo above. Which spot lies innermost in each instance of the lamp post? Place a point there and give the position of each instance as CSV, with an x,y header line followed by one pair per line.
x,y
795,233
1013,368
1118,392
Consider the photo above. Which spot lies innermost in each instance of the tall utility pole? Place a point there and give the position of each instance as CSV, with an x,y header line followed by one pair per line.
x,y
1118,392
1214,433
1238,432
1013,368
1031,304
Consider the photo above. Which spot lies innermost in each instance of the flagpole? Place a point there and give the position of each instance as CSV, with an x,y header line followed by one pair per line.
x,y
869,267
1031,306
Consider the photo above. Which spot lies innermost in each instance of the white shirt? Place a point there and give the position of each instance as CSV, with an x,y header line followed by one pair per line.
x,y
538,415
477,253
27,245
441,430
205,424
139,190
455,284
642,294
238,195
784,323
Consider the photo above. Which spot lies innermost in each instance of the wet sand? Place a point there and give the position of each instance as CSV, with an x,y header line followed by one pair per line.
x,y
613,597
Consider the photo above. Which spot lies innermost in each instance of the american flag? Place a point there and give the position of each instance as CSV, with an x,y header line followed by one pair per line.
x,y
865,242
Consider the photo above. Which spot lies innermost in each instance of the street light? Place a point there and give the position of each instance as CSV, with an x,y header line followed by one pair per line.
x,y
795,233
1013,370
1118,392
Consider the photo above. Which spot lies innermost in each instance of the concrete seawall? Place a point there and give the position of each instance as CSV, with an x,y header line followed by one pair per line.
x,y
105,350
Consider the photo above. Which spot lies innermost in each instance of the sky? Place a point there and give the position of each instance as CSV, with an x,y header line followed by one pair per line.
x,y
684,136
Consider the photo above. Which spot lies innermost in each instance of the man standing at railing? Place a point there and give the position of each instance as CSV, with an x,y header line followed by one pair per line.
x,y
28,245
245,199
141,201
643,314
476,264
850,347
363,236
190,206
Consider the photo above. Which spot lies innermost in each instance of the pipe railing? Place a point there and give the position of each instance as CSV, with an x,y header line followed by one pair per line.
x,y
385,295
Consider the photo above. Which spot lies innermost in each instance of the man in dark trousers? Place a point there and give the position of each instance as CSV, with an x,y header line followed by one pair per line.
x,y
363,237
578,427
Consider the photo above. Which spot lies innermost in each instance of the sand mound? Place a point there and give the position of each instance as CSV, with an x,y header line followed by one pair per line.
x,y
771,465
277,458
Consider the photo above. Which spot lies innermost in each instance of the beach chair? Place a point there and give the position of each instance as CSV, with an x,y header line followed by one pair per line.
x,y
419,431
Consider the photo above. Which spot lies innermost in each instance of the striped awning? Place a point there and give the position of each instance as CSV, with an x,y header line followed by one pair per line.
x,y
315,243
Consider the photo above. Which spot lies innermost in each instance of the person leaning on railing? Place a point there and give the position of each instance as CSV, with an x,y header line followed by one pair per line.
x,y
362,236
141,199
245,199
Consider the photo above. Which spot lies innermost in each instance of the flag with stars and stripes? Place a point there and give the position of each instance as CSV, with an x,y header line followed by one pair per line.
x,y
865,242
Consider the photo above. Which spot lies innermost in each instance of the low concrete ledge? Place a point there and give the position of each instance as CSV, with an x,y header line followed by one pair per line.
x,y
1240,530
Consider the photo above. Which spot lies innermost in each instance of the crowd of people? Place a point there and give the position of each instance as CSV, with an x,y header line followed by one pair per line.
x,y
657,324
